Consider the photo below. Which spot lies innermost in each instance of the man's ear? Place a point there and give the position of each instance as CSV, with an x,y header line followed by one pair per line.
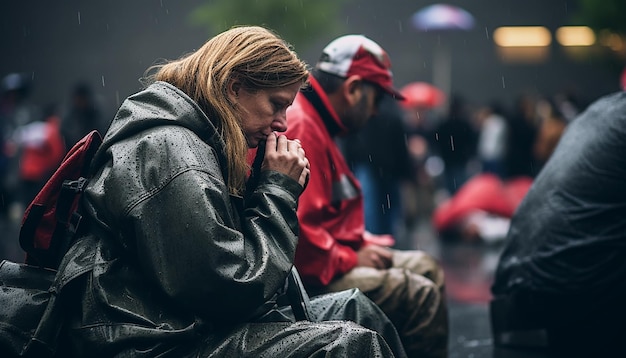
x,y
234,86
352,89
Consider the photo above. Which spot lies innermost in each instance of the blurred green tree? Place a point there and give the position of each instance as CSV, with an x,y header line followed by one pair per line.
x,y
300,22
608,20
603,15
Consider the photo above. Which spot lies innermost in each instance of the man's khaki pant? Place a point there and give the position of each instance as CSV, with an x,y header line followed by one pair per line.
x,y
411,293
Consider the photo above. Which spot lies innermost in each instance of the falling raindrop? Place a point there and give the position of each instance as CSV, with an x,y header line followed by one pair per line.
x,y
79,17
452,143
503,84
486,32
102,80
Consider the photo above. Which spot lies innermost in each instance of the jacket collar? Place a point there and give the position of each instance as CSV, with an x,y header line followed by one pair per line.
x,y
315,95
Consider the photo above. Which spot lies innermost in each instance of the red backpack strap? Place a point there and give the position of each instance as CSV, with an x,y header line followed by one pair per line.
x,y
47,227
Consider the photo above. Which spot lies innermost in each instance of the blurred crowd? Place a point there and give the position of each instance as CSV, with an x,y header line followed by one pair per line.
x,y
34,138
466,165
412,158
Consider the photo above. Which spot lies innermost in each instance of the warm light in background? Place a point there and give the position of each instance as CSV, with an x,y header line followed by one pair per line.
x,y
612,41
522,36
575,36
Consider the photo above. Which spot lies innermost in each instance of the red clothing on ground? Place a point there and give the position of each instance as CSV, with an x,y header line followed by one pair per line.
x,y
485,192
330,210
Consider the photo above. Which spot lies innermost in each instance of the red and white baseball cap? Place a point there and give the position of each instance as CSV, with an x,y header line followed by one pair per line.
x,y
357,55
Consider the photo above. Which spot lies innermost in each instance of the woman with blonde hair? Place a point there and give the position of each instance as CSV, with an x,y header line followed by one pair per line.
x,y
182,255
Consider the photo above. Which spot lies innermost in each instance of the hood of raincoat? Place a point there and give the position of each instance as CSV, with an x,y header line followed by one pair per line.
x,y
158,105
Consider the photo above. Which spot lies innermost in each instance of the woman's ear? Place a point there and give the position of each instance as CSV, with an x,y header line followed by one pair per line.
x,y
234,86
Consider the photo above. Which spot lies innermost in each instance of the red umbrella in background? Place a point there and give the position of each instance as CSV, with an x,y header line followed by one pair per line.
x,y
422,94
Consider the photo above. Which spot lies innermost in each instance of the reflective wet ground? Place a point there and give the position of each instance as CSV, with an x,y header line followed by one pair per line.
x,y
469,269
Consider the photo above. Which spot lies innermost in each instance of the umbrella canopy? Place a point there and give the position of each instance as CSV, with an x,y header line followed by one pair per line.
x,y
421,94
442,17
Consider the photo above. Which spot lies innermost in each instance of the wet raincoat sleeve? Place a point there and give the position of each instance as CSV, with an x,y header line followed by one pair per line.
x,y
219,259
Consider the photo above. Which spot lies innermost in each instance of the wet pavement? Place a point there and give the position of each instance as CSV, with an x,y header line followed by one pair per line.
x,y
469,269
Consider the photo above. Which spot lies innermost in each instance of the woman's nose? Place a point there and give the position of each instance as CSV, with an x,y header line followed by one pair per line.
x,y
279,124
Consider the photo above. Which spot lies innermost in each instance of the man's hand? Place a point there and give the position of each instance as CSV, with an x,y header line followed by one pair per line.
x,y
375,256
287,157
385,240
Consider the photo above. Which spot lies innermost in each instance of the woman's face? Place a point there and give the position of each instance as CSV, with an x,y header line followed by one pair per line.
x,y
264,111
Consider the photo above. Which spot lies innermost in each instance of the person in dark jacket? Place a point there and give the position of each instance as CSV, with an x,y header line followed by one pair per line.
x,y
83,115
455,140
181,258
520,139
561,280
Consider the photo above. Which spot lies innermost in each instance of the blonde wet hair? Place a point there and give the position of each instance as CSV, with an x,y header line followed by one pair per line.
x,y
254,55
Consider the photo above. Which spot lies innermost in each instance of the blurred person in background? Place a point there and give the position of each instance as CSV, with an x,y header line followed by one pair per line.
x,y
83,115
41,149
419,116
552,124
379,158
16,110
483,207
455,141
492,128
570,103
335,252
521,136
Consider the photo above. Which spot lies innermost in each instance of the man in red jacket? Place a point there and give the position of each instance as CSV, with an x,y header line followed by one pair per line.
x,y
334,250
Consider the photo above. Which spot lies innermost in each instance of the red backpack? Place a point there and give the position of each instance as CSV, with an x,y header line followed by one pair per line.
x,y
52,218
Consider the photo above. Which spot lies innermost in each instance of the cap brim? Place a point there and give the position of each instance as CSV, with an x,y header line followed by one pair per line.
x,y
394,93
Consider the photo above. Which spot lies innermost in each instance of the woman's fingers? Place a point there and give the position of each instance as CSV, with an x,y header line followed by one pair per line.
x,y
270,141
294,146
288,157
282,143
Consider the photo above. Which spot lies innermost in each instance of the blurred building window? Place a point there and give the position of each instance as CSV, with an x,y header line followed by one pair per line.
x,y
575,36
522,36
